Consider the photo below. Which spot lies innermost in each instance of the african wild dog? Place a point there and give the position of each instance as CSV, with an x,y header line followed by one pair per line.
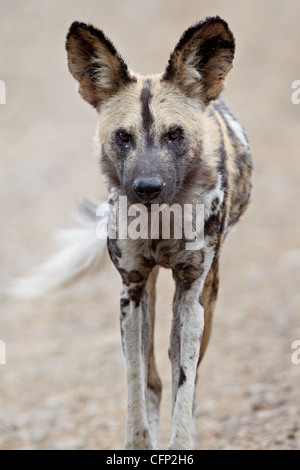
x,y
166,138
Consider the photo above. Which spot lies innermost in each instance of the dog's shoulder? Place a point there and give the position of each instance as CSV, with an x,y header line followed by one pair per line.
x,y
237,159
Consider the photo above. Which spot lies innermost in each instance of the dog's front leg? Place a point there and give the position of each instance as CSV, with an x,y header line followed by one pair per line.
x,y
186,336
136,341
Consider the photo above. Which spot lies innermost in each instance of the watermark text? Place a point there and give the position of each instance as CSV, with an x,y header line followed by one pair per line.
x,y
159,221
2,353
296,93
2,92
296,354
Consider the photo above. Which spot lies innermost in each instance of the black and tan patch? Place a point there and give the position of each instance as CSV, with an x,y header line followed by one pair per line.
x,y
188,268
147,117
182,377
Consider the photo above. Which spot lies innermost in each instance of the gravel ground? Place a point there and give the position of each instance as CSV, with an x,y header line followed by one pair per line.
x,y
63,385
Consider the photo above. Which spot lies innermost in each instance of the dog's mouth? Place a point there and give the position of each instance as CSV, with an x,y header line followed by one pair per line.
x,y
154,206
150,206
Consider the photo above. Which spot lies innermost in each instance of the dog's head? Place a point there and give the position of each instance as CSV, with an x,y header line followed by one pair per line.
x,y
151,130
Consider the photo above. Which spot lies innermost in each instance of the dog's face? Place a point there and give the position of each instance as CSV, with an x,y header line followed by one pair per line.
x,y
150,140
151,131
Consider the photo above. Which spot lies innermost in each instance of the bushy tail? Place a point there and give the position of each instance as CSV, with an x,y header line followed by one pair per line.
x,y
81,251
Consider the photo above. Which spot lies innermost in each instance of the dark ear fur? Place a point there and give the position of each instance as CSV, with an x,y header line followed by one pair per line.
x,y
202,59
95,63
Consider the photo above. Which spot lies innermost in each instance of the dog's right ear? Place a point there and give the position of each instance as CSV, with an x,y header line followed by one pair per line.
x,y
95,63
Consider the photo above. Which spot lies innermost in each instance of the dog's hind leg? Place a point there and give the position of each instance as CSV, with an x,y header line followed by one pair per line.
x,y
209,297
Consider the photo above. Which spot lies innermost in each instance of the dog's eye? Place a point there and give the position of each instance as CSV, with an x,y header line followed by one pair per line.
x,y
124,137
175,134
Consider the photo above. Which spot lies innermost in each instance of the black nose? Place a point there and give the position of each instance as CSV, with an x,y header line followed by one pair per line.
x,y
148,188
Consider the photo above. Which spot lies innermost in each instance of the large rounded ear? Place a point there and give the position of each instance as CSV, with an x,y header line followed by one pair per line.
x,y
95,63
202,59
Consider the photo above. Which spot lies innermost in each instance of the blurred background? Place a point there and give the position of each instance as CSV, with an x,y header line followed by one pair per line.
x,y
63,386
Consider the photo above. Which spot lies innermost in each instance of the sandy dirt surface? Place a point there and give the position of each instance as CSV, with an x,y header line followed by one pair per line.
x,y
63,386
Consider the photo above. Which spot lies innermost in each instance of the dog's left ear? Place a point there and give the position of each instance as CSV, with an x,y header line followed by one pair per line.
x,y
202,59
95,63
